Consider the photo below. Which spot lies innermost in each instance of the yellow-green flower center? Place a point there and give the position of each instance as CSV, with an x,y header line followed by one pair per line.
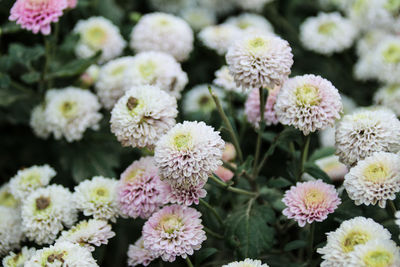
x,y
376,172
313,197
52,256
69,109
7,199
163,22
147,69
359,5
392,53
392,88
170,223
118,70
134,175
307,95
134,105
327,27
393,6
16,261
243,24
95,36
257,44
182,141
378,258
353,239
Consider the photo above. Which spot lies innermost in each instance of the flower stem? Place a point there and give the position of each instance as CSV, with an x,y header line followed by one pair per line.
x,y
231,188
189,263
393,207
213,211
260,131
311,242
227,124
212,233
304,155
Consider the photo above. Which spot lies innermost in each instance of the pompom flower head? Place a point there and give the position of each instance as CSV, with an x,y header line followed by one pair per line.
x,y
219,37
224,79
7,199
188,153
98,34
260,61
37,15
45,212
137,254
376,253
142,115
29,179
163,32
309,103
375,179
140,190
389,97
310,201
10,229
347,238
251,23
174,231
246,263
18,259
98,198
364,132
386,60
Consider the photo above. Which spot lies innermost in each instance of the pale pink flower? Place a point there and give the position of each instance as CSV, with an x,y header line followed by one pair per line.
x,y
137,254
252,107
140,190
72,3
224,173
186,195
173,231
36,15
310,201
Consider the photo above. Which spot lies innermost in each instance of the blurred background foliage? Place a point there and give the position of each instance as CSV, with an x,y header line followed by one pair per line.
x,y
269,237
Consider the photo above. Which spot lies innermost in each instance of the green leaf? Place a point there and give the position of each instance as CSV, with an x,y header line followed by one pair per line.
x,y
296,244
289,134
31,77
316,172
322,153
9,94
246,166
25,55
248,231
74,67
279,182
203,254
110,10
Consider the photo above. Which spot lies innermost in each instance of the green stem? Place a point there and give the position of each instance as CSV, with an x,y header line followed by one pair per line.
x,y
231,188
213,211
212,233
311,242
227,124
260,131
393,207
304,155
43,86
189,263
20,87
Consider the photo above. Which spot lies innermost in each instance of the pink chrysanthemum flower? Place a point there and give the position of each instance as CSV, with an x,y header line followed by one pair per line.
x,y
36,15
173,231
310,201
186,195
140,190
252,107
137,254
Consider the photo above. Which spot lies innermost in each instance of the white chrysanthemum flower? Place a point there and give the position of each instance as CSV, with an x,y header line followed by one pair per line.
x,y
110,84
142,116
163,32
199,17
198,99
28,180
157,69
219,37
7,199
10,229
171,6
18,259
98,198
246,263
251,23
376,253
350,235
253,5
327,33
188,153
364,132
364,69
375,179
88,234
368,14
38,122
45,212
98,34
70,111
224,79
90,76
309,103
260,61
386,60
370,40
333,167
62,254
389,97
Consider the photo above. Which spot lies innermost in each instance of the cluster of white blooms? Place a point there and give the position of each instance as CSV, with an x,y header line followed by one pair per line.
x,y
98,34
67,113
142,115
327,33
18,259
163,32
